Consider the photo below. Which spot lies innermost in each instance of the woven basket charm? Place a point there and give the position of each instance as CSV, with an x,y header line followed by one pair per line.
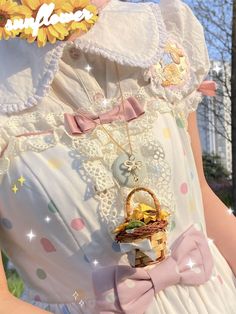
x,y
143,233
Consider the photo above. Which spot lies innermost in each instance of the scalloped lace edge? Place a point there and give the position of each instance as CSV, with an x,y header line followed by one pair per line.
x,y
88,46
53,65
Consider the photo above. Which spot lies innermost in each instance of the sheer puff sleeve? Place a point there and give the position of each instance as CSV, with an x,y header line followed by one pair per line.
x,y
185,63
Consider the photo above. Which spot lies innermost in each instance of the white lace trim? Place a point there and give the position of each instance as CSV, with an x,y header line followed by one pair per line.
x,y
97,153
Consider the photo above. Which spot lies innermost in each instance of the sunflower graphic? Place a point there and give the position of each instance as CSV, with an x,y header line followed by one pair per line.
x,y
9,10
78,28
60,31
45,33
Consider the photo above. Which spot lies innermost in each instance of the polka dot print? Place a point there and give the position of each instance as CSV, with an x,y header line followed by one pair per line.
x,y
47,245
37,298
41,274
55,163
192,205
180,123
166,133
77,224
110,297
130,283
184,188
52,207
6,223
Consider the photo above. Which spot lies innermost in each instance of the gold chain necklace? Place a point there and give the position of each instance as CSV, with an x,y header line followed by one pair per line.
x,y
127,172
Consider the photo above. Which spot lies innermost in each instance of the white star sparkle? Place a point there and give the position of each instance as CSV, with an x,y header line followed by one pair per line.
x,y
47,219
190,263
217,68
230,211
88,68
95,262
105,102
31,235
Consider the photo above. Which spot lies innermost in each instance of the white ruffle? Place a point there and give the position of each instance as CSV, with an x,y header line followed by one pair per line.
x,y
28,71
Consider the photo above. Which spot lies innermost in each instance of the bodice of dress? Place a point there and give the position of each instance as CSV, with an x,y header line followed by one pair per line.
x,y
59,187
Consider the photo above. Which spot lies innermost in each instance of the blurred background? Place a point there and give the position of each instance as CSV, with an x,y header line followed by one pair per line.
x,y
216,115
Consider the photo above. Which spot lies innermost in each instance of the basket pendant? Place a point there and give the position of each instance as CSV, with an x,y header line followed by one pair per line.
x,y
145,243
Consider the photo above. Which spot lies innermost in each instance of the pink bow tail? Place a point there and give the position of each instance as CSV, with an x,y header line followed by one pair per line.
x,y
208,88
125,289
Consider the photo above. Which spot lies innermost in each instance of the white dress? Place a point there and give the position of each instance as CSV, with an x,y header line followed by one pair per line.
x,y
58,198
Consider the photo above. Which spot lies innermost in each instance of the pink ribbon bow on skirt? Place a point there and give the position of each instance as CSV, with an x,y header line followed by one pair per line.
x,y
133,289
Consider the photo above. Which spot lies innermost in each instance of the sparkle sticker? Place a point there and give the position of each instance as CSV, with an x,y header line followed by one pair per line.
x,y
18,184
31,235
14,188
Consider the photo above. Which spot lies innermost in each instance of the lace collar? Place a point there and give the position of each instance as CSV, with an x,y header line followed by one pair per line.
x,y
28,71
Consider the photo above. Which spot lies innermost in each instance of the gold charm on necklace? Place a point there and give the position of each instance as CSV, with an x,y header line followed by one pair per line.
x,y
132,166
128,172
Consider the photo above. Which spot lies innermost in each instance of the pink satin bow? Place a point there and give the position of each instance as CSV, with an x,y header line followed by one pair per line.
x,y
124,289
79,124
208,88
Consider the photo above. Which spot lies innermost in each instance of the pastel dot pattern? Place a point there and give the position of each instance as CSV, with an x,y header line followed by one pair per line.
x,y
180,122
6,223
47,245
41,273
37,298
130,283
166,133
184,188
55,163
52,207
110,297
60,257
77,224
